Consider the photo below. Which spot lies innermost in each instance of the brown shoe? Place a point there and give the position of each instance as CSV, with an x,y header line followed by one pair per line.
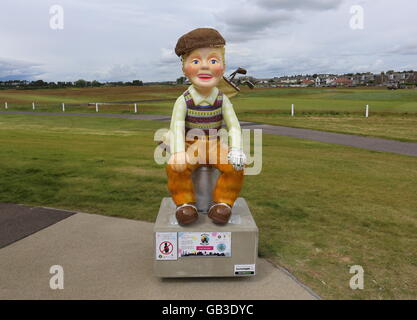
x,y
220,213
186,214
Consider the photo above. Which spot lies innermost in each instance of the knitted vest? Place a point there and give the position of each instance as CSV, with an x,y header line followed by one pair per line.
x,y
203,117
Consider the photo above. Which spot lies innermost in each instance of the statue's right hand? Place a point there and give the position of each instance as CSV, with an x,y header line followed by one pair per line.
x,y
178,161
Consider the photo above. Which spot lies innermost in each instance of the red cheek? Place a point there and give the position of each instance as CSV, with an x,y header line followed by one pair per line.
x,y
190,69
218,70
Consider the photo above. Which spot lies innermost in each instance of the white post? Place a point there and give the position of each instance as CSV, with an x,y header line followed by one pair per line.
x,y
63,107
136,109
5,105
367,111
33,105
292,110
96,107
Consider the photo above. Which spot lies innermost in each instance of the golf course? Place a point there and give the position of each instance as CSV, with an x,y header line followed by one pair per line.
x,y
392,113
320,208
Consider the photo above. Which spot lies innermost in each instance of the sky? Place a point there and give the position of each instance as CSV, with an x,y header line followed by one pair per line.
x,y
124,40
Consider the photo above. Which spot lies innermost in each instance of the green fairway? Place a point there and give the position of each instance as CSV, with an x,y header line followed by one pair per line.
x,y
320,208
261,100
327,100
403,128
393,113
76,99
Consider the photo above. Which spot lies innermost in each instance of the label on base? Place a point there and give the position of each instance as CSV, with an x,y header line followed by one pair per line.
x,y
204,244
166,246
244,269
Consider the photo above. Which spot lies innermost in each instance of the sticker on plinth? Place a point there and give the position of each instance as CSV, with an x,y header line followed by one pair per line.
x,y
166,246
244,269
204,244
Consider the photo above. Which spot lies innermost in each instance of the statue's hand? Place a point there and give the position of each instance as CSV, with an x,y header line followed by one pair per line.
x,y
237,158
178,161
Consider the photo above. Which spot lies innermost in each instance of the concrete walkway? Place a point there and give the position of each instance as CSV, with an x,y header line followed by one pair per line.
x,y
112,258
369,143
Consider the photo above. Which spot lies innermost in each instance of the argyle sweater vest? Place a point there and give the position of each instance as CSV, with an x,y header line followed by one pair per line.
x,y
203,117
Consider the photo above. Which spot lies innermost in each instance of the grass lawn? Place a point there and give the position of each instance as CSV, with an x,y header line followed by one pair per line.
x,y
75,99
327,100
86,95
393,114
397,127
260,100
320,208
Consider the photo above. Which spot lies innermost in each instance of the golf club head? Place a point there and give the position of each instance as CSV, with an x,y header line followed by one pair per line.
x,y
238,70
249,84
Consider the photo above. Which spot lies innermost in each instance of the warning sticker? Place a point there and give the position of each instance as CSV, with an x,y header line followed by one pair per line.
x,y
166,246
204,244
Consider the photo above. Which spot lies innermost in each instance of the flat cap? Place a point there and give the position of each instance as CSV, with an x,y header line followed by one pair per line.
x,y
198,38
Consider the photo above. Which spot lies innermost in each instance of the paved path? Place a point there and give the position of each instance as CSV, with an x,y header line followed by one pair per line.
x,y
18,222
112,258
369,143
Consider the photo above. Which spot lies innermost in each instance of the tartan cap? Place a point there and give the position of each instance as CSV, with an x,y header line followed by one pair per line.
x,y
199,38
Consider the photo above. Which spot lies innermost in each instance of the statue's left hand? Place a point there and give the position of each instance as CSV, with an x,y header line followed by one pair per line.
x,y
237,158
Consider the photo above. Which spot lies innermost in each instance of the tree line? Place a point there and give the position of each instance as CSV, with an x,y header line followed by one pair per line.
x,y
81,83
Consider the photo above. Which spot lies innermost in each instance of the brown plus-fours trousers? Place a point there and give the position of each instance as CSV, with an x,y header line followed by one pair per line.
x,y
208,153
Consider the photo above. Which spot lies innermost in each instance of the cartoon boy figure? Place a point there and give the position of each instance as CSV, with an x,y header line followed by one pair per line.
x,y
202,106
204,239
166,248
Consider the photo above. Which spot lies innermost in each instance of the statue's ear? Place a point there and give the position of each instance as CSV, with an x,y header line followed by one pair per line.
x,y
182,64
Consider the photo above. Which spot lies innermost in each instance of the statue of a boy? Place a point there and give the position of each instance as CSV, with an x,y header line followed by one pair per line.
x,y
204,107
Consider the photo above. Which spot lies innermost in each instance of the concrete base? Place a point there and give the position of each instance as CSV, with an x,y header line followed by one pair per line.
x,y
241,257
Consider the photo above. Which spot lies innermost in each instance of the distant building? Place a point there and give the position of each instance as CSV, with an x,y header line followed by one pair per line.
x,y
308,83
343,82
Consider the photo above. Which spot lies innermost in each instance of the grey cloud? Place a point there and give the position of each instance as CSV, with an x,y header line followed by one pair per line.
x,y
120,72
168,57
16,69
110,40
252,20
407,49
300,4
303,64
249,22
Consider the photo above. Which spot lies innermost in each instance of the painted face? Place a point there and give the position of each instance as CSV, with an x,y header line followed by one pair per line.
x,y
204,67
